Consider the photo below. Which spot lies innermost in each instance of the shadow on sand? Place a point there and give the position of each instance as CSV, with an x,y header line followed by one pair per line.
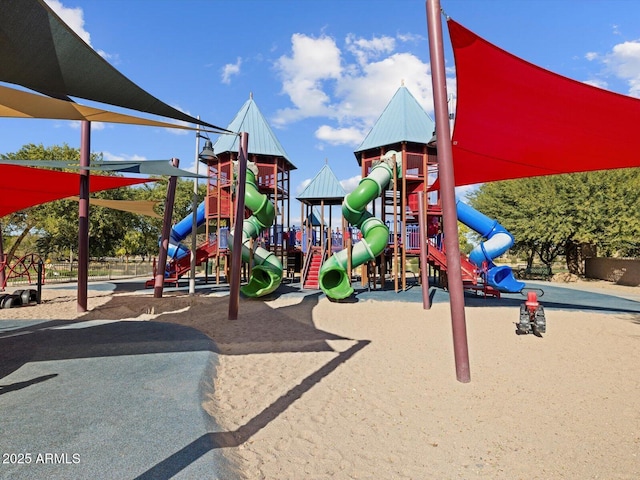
x,y
184,323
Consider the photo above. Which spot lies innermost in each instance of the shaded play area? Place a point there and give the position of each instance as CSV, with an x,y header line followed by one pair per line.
x,y
336,359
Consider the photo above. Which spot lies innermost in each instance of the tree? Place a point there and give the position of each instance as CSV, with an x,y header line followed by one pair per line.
x,y
20,224
55,224
555,215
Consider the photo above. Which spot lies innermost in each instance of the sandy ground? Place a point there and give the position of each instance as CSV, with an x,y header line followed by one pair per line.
x,y
313,389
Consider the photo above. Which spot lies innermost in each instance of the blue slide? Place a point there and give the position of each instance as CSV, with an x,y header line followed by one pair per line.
x,y
180,231
499,240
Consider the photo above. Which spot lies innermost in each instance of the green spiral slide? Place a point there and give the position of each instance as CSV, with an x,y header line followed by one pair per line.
x,y
333,277
266,273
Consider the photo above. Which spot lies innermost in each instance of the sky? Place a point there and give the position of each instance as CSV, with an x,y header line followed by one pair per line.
x,y
320,71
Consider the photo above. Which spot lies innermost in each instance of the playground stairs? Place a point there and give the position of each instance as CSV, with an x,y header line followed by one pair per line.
x,y
178,268
310,280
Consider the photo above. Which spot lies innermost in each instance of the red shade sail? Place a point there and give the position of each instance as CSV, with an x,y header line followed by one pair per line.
x,y
515,119
24,187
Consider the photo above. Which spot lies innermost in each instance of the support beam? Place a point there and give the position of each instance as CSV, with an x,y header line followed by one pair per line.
x,y
158,285
236,257
424,257
194,218
447,190
83,217
2,263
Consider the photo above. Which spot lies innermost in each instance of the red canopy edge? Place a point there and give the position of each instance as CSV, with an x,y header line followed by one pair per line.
x,y
516,120
24,187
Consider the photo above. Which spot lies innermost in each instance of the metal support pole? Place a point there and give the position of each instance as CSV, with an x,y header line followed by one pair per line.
x,y
83,217
166,231
194,224
396,245
424,257
447,190
39,284
2,262
236,258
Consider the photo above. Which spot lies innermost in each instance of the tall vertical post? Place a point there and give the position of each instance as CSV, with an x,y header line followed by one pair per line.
x,y
158,285
236,258
83,217
396,238
424,257
194,223
2,262
447,190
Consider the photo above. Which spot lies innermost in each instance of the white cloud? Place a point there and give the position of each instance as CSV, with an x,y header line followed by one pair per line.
x,y
340,136
351,85
302,185
364,49
351,183
591,56
597,83
230,70
366,92
313,62
624,62
123,157
73,17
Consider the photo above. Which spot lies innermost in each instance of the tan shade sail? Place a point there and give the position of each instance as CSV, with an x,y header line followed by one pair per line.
x,y
139,207
20,104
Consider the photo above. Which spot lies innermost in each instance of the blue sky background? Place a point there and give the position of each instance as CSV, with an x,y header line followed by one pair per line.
x,y
321,71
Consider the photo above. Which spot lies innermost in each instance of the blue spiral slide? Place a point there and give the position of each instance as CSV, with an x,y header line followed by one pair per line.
x,y
499,240
180,231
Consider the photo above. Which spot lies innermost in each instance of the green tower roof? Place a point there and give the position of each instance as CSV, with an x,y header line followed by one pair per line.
x,y
403,120
324,186
262,140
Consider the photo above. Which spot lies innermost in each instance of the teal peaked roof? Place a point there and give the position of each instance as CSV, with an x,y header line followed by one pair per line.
x,y
403,120
315,218
324,186
262,140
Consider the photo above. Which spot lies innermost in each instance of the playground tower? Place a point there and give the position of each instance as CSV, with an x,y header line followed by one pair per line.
x,y
272,180
403,127
323,191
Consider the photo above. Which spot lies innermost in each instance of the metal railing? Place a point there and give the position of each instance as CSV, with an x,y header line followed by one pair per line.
x,y
68,272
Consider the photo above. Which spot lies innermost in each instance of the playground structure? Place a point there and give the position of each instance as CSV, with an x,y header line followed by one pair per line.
x,y
29,267
387,246
266,273
265,246
380,231
333,278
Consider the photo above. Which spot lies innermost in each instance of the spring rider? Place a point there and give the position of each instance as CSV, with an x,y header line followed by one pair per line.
x,y
532,319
